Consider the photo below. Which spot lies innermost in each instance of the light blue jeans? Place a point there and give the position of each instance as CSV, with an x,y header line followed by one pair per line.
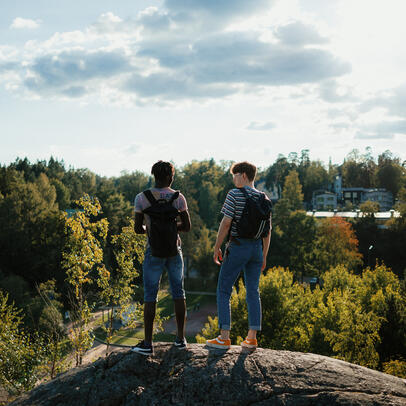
x,y
152,270
241,255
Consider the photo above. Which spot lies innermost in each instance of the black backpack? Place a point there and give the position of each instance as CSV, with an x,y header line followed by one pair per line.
x,y
163,233
255,220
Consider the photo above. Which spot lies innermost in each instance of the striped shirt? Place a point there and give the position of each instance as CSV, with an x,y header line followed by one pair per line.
x,y
234,205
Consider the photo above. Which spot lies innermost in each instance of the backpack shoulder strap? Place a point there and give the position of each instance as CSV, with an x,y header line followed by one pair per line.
x,y
244,192
174,196
148,194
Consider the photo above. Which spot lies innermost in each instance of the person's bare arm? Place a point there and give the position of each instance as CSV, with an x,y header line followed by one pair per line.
x,y
221,234
139,226
265,248
184,224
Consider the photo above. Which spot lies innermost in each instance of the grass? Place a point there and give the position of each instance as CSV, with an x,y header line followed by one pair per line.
x,y
121,337
165,302
130,337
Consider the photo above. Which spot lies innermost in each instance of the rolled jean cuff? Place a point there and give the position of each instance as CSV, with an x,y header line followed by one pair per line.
x,y
258,328
225,327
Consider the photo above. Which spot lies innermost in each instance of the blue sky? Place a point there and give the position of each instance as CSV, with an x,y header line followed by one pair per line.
x,y
115,86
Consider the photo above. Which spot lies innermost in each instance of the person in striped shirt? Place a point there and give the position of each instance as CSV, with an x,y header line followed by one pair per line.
x,y
241,254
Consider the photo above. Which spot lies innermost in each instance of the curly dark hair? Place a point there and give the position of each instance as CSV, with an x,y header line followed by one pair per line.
x,y
163,172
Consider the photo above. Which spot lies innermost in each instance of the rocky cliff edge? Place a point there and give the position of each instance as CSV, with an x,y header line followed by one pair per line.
x,y
203,376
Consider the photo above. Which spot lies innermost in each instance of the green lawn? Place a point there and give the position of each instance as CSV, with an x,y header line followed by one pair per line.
x,y
165,302
131,337
122,337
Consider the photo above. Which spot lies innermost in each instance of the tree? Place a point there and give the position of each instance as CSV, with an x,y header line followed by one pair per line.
x,y
359,170
117,210
55,169
315,177
349,317
62,194
281,213
116,280
202,259
389,173
286,308
29,213
292,191
292,241
355,334
80,182
370,325
380,292
401,206
332,172
20,354
17,289
389,245
83,254
51,328
395,367
369,208
204,183
130,184
335,244
277,173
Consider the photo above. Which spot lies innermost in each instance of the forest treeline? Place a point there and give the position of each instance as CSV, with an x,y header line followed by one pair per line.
x,y
38,199
32,196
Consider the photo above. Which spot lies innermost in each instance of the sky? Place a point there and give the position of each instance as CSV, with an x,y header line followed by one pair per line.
x,y
116,86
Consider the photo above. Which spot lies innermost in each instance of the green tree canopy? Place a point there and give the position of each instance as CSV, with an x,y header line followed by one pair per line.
x,y
292,191
335,244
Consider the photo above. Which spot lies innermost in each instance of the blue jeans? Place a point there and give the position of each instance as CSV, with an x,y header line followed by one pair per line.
x,y
246,255
152,270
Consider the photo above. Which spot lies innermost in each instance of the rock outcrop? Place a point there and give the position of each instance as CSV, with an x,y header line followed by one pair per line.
x,y
203,376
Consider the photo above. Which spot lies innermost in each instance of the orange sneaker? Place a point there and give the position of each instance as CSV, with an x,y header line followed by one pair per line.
x,y
218,342
249,343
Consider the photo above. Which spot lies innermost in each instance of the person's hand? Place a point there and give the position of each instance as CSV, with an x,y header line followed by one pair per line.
x,y
263,264
217,256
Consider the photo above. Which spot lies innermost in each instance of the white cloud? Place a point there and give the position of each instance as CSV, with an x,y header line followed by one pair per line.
x,y
260,126
68,73
214,12
327,73
332,92
160,57
298,33
382,129
25,23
